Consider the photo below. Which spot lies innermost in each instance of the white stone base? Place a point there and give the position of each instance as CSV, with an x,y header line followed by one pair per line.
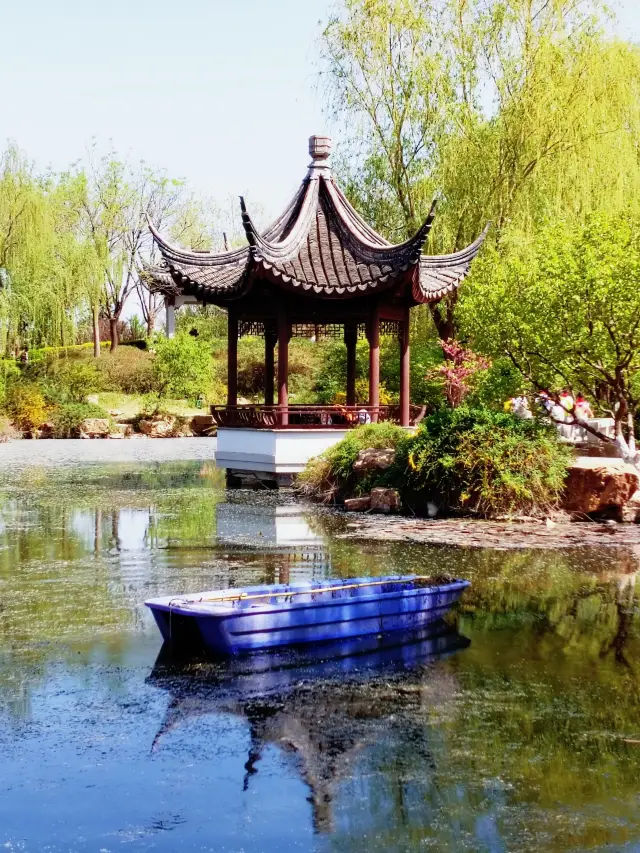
x,y
272,451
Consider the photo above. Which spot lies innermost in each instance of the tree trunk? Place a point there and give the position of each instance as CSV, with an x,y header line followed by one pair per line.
x,y
444,320
96,331
151,323
113,328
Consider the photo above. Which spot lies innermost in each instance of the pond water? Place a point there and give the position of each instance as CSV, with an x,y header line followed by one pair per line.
x,y
517,729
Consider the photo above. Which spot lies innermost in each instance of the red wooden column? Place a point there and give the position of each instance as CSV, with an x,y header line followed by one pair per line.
x,y
351,340
269,364
374,358
405,368
232,357
284,332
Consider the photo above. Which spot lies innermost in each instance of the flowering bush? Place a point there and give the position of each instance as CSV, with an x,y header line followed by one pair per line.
x,y
27,407
460,371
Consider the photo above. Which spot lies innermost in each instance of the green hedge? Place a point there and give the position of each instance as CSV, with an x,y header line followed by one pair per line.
x,y
465,460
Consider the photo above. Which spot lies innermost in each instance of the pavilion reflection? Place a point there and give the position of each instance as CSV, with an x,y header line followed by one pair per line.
x,y
292,549
324,706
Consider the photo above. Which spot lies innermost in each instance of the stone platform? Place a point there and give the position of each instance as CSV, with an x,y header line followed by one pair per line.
x,y
270,456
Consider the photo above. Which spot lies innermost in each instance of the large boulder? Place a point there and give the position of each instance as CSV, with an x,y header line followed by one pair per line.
x,y
600,487
95,428
158,427
202,425
373,460
631,511
385,500
121,431
358,504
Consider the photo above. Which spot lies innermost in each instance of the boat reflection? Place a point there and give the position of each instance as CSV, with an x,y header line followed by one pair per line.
x,y
324,705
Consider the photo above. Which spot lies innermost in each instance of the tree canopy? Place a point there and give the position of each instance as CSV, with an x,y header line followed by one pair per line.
x,y
514,111
73,245
565,307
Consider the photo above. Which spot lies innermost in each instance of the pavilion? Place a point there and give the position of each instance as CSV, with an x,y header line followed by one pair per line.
x,y
319,269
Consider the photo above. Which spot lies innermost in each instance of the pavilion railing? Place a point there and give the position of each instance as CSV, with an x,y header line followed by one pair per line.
x,y
262,416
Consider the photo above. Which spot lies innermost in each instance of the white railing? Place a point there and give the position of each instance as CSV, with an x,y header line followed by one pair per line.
x,y
575,434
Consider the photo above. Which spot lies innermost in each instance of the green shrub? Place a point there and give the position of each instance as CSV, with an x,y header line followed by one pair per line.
x,y
128,370
182,366
330,476
27,406
67,418
9,373
74,380
488,462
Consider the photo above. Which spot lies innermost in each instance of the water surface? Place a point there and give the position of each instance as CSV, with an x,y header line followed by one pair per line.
x,y
516,731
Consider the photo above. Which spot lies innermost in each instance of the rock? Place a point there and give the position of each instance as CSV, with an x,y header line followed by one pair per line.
x,y
115,413
93,399
160,428
432,509
600,487
631,510
202,425
46,430
373,459
358,504
121,431
95,428
385,500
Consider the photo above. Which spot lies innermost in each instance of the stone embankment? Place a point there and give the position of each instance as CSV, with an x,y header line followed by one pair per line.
x,y
603,488
597,488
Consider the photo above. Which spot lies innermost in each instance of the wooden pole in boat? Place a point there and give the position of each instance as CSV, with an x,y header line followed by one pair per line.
x,y
312,591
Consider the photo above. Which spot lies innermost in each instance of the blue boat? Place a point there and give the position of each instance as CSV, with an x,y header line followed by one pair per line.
x,y
256,618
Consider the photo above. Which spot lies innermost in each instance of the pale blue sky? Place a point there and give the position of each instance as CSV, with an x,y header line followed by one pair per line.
x,y
221,92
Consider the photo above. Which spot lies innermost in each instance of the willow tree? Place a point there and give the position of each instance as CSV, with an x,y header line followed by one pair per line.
x,y
40,257
512,110
118,200
565,308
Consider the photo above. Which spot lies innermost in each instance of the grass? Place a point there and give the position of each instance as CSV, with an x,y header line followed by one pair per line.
x,y
132,404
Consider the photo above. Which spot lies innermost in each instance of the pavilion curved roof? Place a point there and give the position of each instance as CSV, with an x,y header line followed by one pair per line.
x,y
320,246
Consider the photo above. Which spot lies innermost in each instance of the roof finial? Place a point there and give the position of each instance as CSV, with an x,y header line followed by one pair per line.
x,y
320,152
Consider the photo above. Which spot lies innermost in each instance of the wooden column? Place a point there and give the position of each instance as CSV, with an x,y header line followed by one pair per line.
x,y
351,340
232,357
269,365
284,332
405,371
374,358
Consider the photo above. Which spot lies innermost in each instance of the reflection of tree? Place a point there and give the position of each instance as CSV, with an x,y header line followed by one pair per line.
x,y
65,578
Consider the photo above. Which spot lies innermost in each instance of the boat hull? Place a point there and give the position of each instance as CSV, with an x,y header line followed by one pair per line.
x,y
280,616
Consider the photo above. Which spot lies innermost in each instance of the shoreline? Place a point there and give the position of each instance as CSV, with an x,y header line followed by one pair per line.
x,y
497,535
458,532
76,451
